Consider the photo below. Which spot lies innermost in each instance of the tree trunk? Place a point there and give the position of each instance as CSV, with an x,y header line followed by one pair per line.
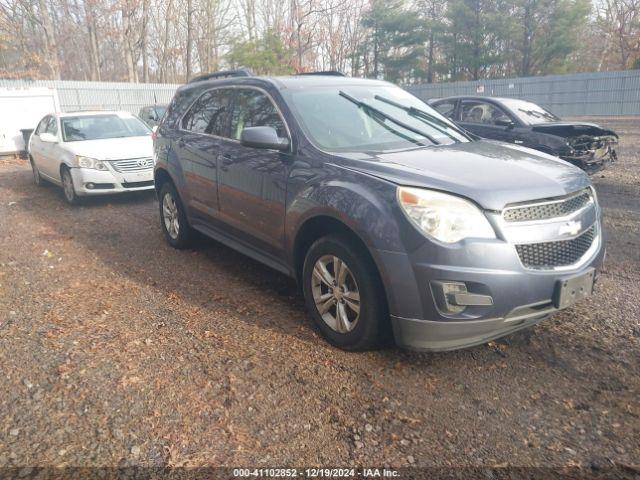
x,y
49,41
189,39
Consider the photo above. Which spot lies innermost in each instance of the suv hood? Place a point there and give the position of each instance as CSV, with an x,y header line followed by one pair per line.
x,y
112,148
490,173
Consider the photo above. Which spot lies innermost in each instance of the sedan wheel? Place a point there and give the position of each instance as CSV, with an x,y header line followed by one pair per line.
x,y
335,293
37,179
68,188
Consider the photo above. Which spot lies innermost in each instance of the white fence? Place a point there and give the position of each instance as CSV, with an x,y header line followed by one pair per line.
x,y
73,96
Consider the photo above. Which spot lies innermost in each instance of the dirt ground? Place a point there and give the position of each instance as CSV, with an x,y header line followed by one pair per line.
x,y
117,350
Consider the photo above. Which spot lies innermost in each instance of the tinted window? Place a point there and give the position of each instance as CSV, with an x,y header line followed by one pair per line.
x,y
482,113
446,108
208,114
94,127
253,108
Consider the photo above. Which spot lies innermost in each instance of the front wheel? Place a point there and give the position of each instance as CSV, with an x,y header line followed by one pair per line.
x,y
37,179
68,188
343,292
173,219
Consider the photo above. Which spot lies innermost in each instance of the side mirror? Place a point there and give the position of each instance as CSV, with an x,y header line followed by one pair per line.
x,y
263,137
48,138
504,123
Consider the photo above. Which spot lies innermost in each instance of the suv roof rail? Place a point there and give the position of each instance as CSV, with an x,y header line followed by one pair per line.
x,y
241,72
329,73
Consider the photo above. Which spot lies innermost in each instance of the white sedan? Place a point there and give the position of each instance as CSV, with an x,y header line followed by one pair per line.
x,y
92,153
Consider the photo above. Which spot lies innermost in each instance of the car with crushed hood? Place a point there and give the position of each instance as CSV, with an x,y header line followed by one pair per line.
x,y
396,224
586,145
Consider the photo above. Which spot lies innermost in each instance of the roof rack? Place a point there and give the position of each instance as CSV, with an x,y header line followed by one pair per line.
x,y
242,72
329,73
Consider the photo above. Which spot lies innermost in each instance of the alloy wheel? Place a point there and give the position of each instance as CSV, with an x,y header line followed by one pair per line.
x,y
170,216
335,293
67,185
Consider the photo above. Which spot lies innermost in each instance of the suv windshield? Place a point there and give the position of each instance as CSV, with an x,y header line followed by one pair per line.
x,y
369,118
96,127
529,113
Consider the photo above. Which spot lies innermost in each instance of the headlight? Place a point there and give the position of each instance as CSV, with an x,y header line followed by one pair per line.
x,y
444,217
87,162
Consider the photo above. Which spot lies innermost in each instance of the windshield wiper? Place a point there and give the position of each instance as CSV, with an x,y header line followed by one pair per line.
x,y
426,117
365,106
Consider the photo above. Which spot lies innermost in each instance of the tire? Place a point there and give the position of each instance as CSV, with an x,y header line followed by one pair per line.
x,y
37,179
173,218
68,189
366,326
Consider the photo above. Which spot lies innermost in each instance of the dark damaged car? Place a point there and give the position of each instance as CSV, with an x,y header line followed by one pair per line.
x,y
585,145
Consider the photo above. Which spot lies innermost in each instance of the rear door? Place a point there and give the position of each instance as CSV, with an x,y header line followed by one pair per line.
x,y
198,147
252,181
486,120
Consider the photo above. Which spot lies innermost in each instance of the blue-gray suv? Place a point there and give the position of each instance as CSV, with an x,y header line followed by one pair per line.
x,y
394,221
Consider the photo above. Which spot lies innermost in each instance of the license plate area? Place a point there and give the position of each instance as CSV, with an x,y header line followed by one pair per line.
x,y
573,289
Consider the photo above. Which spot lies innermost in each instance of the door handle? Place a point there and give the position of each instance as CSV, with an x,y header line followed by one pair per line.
x,y
225,160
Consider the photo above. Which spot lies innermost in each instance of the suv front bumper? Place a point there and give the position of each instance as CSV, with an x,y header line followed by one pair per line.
x,y
520,297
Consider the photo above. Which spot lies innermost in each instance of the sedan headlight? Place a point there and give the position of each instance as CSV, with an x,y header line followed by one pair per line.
x,y
444,217
88,162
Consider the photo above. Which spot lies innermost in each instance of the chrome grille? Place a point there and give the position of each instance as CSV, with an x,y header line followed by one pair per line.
x,y
551,209
560,253
132,164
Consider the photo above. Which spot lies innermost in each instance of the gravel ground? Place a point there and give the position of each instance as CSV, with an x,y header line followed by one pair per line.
x,y
117,350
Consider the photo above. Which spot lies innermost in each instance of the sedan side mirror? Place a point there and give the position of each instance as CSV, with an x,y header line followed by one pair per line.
x,y
48,138
263,137
501,122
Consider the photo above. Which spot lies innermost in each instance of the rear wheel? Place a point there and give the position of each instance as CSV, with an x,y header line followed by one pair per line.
x,y
68,188
173,219
344,294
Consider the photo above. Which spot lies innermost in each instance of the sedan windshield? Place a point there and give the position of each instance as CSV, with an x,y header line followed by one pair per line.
x,y
369,118
529,113
97,127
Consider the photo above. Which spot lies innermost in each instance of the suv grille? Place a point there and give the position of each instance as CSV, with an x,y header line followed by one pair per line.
x,y
132,164
561,253
553,209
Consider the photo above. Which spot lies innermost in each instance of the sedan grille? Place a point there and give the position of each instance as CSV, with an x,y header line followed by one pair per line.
x,y
560,253
551,209
132,164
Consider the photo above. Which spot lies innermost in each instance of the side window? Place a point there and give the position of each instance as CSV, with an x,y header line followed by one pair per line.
x,y
446,109
42,125
253,108
482,113
209,113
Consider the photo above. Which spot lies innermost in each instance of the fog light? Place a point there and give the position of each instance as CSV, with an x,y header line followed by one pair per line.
x,y
90,186
444,292
453,297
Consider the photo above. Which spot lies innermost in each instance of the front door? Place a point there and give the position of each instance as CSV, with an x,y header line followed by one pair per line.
x,y
252,181
199,147
487,120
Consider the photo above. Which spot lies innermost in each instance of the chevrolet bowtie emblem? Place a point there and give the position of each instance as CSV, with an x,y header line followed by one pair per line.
x,y
570,228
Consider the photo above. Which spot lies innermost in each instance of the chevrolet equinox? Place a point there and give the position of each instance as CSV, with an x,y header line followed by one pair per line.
x,y
394,221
